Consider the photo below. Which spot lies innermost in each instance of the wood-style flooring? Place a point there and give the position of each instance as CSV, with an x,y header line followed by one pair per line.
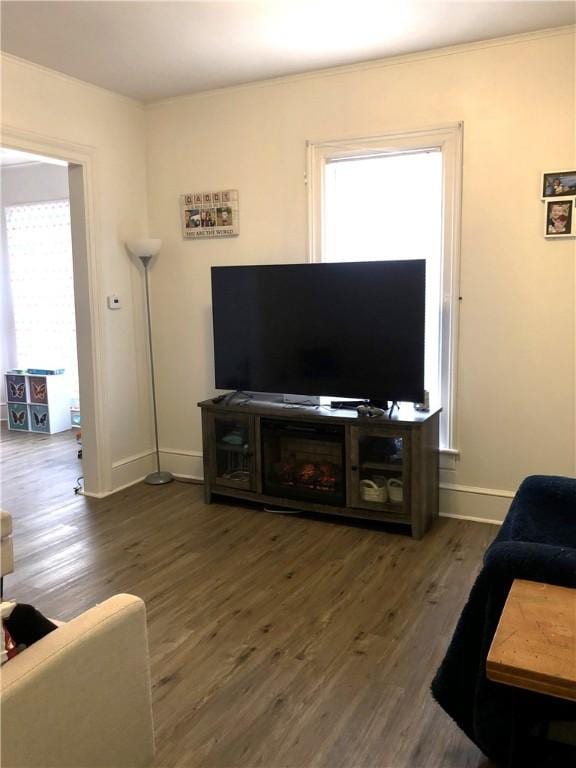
x,y
276,641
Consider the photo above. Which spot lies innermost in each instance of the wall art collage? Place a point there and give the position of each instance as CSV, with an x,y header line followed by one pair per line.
x,y
209,214
559,197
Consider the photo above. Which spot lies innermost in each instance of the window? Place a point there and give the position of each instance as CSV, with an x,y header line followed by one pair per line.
x,y
398,197
42,287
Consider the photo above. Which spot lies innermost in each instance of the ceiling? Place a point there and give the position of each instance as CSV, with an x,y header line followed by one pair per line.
x,y
156,50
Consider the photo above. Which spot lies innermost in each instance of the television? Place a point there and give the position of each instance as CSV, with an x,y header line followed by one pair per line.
x,y
352,330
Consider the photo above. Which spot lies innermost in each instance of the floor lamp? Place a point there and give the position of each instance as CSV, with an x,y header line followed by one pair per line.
x,y
145,249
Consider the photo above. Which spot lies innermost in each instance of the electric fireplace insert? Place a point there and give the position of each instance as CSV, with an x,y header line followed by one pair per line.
x,y
303,461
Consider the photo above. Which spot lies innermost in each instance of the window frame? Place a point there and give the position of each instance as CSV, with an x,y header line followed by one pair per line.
x,y
449,140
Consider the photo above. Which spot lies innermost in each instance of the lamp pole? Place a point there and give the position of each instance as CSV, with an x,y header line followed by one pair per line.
x,y
158,477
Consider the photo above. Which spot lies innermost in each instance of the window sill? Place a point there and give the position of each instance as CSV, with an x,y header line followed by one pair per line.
x,y
449,458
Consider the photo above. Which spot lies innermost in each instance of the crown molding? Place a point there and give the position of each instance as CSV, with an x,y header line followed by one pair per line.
x,y
69,79
383,63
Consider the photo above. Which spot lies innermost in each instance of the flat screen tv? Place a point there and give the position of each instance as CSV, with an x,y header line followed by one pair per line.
x,y
352,329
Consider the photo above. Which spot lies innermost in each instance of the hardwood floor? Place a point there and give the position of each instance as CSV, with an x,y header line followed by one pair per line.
x,y
276,641
37,470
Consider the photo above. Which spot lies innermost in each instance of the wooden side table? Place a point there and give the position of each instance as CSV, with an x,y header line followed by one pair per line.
x,y
535,643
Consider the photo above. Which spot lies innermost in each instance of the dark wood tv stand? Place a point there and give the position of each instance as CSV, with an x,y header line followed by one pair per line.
x,y
320,460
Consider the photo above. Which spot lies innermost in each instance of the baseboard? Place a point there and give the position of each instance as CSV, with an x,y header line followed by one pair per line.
x,y
131,470
479,505
483,505
185,464
187,478
471,518
105,494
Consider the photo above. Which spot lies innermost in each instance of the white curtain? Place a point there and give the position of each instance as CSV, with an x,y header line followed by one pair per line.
x,y
42,289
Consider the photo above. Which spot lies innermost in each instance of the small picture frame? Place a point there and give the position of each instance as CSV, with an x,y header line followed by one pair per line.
x,y
191,217
208,217
224,216
558,183
559,217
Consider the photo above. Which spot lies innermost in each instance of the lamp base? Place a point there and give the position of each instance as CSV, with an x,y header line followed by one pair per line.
x,y
158,478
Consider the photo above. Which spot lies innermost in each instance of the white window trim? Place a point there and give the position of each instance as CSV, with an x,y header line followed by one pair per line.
x,y
449,139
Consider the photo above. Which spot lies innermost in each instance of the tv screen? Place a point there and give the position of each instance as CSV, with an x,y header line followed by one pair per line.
x,y
352,329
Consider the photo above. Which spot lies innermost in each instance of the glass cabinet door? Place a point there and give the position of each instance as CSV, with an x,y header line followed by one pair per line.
x,y
232,460
379,469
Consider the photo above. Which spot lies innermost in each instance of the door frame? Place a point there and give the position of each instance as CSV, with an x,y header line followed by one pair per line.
x,y
90,335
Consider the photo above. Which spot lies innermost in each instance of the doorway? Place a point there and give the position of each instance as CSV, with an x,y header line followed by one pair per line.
x,y
39,358
72,169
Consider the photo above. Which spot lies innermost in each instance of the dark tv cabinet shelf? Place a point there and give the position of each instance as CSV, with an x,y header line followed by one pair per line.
x,y
320,460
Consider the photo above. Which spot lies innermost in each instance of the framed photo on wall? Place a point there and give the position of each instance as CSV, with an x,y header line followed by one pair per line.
x,y
558,183
210,214
559,217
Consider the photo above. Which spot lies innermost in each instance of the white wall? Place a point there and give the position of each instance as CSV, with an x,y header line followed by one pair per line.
x,y
34,183
517,346
45,108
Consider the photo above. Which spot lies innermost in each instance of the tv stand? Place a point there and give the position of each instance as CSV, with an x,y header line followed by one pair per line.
x,y
319,460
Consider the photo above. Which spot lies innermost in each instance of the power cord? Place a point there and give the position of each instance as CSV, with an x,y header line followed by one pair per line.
x,y
79,485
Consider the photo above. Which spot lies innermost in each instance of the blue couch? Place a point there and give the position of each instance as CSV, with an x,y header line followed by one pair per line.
x,y
537,541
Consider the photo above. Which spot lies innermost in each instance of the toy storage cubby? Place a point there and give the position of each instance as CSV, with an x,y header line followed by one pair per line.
x,y
37,403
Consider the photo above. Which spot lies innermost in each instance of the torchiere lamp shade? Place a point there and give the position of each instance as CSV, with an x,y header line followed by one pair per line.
x,y
144,247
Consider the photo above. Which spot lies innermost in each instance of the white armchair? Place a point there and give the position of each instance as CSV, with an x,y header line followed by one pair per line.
x,y
6,550
81,695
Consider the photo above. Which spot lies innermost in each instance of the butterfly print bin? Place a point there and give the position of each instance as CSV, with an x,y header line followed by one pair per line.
x,y
38,389
18,417
39,418
16,388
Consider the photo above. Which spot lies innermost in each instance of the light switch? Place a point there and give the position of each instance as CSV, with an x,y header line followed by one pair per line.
x,y
114,302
